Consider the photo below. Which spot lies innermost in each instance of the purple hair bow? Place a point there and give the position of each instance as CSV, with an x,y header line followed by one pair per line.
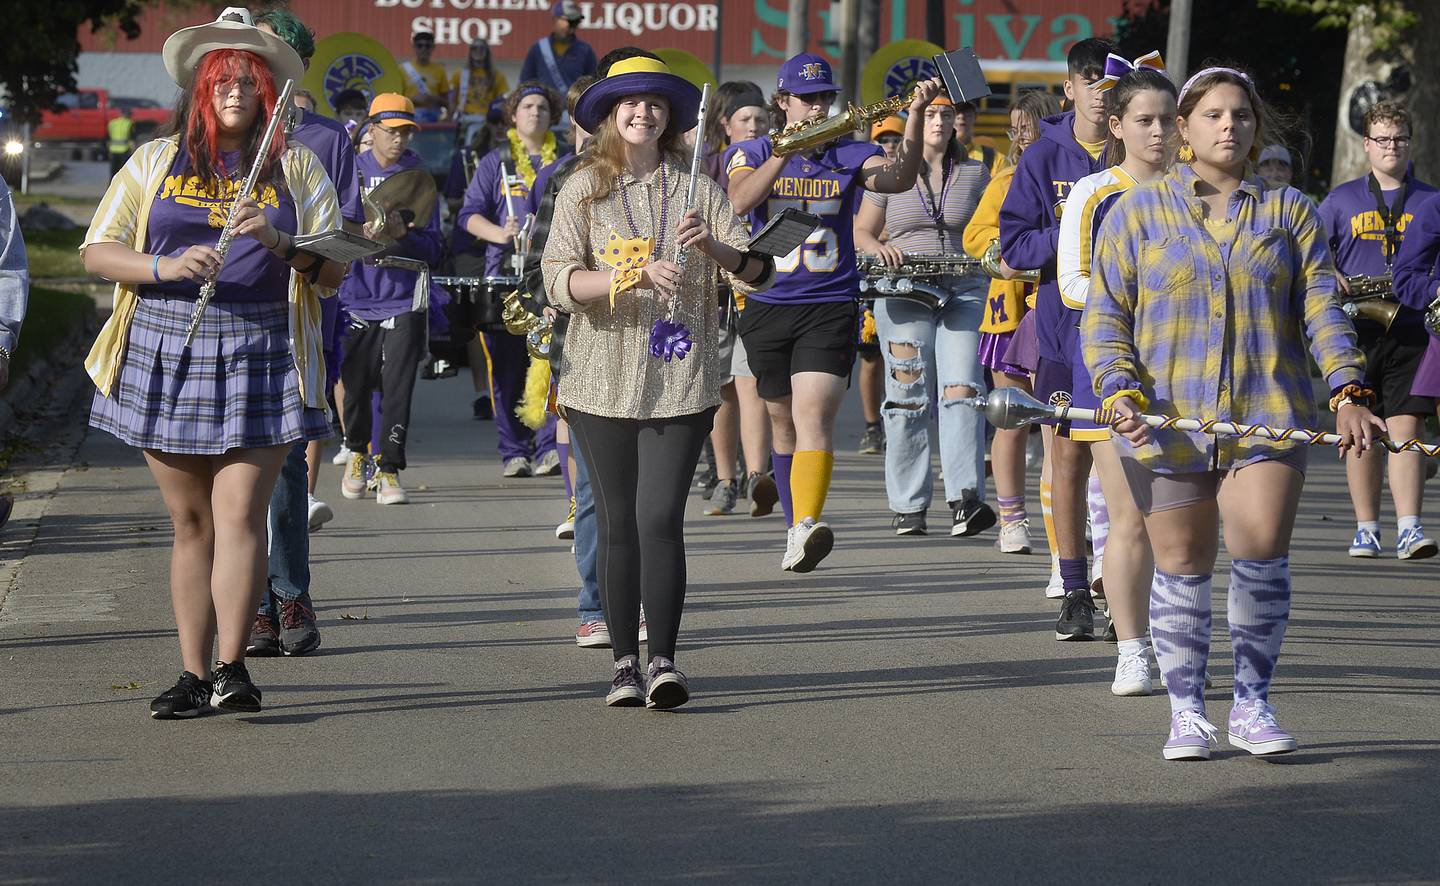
x,y
1117,67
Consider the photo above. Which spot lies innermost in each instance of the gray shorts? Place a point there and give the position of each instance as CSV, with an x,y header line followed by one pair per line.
x,y
733,359
1155,492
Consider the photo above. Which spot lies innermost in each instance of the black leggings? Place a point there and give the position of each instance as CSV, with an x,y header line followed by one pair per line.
x,y
640,471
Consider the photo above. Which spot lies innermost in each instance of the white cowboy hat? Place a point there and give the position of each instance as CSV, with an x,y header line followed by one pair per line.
x,y
234,29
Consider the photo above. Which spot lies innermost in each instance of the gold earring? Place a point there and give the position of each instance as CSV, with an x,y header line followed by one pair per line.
x,y
1187,154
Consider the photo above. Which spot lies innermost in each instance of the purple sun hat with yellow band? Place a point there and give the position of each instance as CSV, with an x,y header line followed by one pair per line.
x,y
635,76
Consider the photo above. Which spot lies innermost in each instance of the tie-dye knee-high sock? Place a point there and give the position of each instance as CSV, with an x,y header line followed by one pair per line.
x,y
1180,627
1259,610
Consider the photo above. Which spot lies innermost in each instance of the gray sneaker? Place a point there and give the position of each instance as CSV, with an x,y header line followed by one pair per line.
x,y
872,442
722,503
519,466
299,635
548,465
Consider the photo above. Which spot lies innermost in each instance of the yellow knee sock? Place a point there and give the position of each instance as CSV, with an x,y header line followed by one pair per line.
x,y
810,482
1049,517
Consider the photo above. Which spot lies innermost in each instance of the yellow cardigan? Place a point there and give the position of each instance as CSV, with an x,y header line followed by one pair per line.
x,y
1007,302
123,217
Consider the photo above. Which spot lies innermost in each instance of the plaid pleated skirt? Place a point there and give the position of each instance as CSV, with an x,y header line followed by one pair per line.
x,y
235,388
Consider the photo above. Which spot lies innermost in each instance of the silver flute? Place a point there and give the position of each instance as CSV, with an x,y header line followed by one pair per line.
x,y
683,255
227,234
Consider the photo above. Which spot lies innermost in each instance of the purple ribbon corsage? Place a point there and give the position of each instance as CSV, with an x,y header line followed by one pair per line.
x,y
670,340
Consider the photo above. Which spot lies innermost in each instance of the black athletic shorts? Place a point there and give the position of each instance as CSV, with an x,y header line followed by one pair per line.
x,y
1391,361
782,340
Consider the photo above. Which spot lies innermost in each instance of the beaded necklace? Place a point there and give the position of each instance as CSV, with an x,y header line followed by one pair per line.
x,y
664,212
937,209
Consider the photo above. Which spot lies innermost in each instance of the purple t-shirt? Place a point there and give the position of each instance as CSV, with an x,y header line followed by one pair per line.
x,y
375,293
186,213
1356,230
485,198
330,142
822,269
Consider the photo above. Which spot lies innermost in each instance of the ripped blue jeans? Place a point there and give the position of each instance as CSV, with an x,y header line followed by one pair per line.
x,y
931,359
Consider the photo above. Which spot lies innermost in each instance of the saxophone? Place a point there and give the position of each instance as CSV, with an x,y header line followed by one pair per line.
x,y
990,264
814,132
918,265
520,321
1372,297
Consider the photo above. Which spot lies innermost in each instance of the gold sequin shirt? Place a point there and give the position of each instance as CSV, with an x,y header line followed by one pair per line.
x,y
605,367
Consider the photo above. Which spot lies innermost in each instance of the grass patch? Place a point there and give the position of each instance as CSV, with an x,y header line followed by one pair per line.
x,y
25,201
54,254
52,315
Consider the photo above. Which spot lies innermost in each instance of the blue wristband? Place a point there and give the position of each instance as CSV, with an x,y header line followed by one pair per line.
x,y
155,268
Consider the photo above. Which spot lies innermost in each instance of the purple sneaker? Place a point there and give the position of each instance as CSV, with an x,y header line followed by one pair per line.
x,y
1253,728
627,690
1190,736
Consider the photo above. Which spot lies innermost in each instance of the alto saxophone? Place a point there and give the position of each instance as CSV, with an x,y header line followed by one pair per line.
x,y
1371,297
535,328
918,265
814,132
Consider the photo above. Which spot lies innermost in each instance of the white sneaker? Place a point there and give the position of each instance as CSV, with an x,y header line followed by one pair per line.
x,y
1014,538
320,514
388,490
519,466
1132,675
341,457
1055,590
808,543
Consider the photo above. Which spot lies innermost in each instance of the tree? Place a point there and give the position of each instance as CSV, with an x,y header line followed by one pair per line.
x,y
1381,61
39,46
1297,77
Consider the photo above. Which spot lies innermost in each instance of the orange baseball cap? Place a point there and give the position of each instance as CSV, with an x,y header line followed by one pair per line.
x,y
393,110
892,125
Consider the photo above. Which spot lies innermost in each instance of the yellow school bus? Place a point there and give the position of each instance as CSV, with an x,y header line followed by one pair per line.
x,y
1008,80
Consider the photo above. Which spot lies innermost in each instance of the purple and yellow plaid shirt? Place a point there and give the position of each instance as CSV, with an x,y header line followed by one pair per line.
x,y
1211,329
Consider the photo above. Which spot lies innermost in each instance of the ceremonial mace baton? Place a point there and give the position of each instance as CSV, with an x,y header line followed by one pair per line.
x,y
1010,408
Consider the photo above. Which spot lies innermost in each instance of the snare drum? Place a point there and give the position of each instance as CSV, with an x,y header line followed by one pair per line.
x,y
478,302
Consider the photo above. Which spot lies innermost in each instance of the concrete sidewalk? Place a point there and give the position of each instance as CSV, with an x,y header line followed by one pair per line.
x,y
901,714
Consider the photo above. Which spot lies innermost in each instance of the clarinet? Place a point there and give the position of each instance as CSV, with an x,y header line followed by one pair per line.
x,y
207,291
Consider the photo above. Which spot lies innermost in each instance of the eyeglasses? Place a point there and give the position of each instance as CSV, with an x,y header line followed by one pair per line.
x,y
1385,141
247,86
1024,132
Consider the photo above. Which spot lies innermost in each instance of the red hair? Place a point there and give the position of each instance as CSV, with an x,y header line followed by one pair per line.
x,y
202,128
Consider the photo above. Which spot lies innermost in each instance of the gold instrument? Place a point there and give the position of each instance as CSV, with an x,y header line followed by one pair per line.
x,y
990,264
1371,297
918,265
520,321
410,193
1432,317
817,131
227,234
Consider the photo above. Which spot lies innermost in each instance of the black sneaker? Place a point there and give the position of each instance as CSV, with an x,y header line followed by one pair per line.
x,y
298,633
233,690
1077,617
872,442
627,690
909,524
264,637
189,697
1109,635
763,492
970,517
482,409
668,688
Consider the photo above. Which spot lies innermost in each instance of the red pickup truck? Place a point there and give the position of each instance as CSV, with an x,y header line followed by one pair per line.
x,y
84,114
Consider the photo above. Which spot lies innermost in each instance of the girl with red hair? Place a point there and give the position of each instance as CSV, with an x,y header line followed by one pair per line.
x,y
215,419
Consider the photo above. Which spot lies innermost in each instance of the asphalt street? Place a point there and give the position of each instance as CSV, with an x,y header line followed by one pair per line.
x,y
903,714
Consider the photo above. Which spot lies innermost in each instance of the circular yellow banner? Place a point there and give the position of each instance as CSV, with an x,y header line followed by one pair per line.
x,y
895,69
350,61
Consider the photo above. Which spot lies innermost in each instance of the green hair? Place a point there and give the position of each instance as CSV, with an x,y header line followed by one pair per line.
x,y
290,29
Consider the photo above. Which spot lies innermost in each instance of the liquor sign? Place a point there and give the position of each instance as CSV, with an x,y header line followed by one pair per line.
x,y
753,30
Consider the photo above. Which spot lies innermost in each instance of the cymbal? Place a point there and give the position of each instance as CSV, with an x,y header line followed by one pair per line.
x,y
411,193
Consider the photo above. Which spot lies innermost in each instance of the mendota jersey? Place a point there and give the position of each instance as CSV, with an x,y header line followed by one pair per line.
x,y
822,269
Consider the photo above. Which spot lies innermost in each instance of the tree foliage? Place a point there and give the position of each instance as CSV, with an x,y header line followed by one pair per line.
x,y
39,46
1392,18
1297,77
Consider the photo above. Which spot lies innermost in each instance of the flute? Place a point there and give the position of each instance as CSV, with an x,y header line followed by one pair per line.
x,y
682,255
222,246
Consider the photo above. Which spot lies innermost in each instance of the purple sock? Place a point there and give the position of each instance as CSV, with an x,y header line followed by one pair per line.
x,y
1180,628
563,450
1073,574
1259,610
782,464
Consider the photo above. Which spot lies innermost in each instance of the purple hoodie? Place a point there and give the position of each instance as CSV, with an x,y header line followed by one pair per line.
x,y
1417,264
1030,219
372,293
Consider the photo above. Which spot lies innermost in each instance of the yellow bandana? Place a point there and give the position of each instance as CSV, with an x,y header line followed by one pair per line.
x,y
628,258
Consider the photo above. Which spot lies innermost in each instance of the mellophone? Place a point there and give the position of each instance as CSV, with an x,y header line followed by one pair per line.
x,y
918,278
